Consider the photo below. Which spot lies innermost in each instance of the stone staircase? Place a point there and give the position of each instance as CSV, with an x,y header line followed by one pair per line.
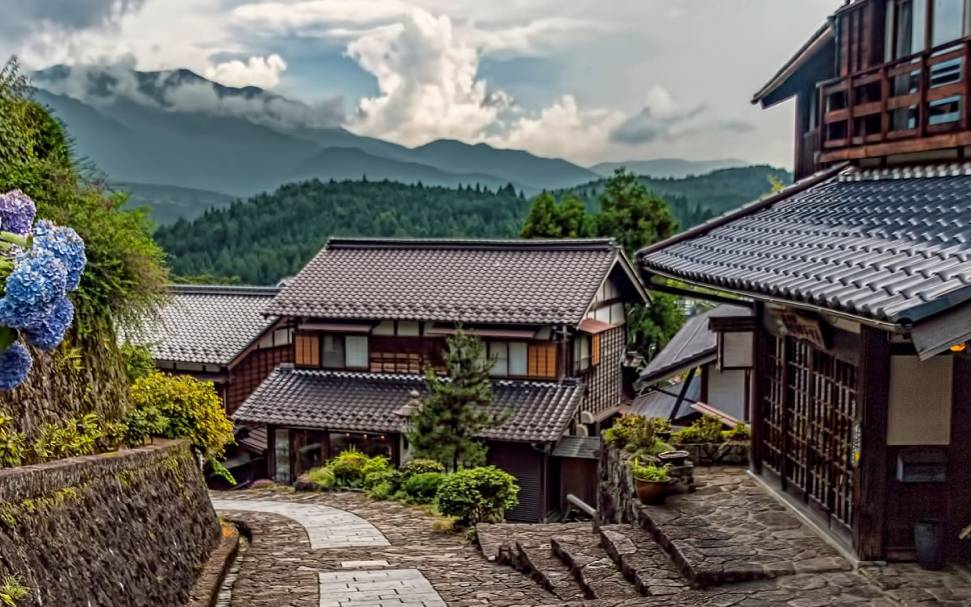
x,y
727,534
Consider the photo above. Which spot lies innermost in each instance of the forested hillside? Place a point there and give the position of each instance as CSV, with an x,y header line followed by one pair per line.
x,y
271,236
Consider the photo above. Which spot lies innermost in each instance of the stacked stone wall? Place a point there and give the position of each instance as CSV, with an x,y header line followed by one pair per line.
x,y
122,529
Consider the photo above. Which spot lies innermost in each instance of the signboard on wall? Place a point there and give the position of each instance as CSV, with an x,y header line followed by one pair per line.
x,y
803,327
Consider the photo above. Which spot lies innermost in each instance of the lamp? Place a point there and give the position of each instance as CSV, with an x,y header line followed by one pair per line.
x,y
959,347
411,407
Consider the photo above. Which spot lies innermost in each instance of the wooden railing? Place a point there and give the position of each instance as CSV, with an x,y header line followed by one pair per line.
x,y
916,97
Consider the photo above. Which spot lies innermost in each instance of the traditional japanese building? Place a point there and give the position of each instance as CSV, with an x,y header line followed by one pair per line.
x,y
861,278
220,334
704,370
370,315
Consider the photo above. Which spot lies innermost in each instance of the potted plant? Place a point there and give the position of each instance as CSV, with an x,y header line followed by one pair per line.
x,y
653,483
674,458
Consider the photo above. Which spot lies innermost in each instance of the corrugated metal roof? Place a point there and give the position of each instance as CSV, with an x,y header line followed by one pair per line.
x,y
486,281
692,346
206,324
890,245
366,402
660,404
578,447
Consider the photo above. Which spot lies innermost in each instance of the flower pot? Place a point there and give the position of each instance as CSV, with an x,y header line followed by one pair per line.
x,y
652,492
674,458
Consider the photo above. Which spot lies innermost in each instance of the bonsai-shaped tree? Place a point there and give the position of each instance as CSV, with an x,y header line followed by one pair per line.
x,y
457,407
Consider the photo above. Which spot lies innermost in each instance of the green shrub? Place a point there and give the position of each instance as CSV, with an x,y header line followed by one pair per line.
x,y
138,361
706,430
740,433
636,434
420,466
423,487
142,424
382,491
12,451
478,494
649,472
379,477
322,477
73,438
112,436
378,463
348,468
193,410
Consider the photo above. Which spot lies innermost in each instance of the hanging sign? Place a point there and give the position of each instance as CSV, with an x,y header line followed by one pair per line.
x,y
806,328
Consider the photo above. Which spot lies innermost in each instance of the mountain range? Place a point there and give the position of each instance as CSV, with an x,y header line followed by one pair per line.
x,y
182,143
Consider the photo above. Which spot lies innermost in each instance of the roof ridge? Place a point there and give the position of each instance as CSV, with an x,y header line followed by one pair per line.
x,y
412,378
339,242
249,290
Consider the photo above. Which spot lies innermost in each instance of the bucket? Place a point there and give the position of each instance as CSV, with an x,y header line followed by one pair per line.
x,y
929,542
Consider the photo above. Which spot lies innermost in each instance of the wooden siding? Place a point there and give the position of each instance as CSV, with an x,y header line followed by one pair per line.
x,y
306,350
605,379
541,362
527,465
250,372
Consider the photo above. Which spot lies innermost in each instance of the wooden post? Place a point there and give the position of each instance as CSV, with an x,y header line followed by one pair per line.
x,y
870,479
756,407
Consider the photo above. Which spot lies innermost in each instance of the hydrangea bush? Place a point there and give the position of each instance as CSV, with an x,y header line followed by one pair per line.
x,y
40,263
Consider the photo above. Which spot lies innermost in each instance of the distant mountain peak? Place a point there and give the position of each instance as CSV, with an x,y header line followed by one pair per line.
x,y
668,167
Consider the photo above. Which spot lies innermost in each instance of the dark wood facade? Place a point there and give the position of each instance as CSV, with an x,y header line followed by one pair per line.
x,y
822,435
887,81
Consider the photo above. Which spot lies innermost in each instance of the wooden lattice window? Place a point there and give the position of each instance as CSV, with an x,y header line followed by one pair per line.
x,y
306,350
542,360
807,423
595,346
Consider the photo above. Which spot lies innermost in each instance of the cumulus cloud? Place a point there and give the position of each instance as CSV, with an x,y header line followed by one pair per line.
x,y
563,129
660,117
263,72
427,82
22,16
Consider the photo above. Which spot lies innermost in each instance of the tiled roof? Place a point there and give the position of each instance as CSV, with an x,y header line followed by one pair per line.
x,y
206,324
890,245
659,404
485,281
366,402
690,347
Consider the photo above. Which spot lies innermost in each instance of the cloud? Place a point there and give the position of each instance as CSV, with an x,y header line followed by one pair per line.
x,y
563,130
660,117
263,72
427,82
22,16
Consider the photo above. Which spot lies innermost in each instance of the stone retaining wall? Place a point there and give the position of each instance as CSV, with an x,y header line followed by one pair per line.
x,y
121,529
616,496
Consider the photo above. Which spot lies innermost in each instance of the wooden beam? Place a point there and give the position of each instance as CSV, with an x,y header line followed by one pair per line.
x,y
756,407
870,479
911,146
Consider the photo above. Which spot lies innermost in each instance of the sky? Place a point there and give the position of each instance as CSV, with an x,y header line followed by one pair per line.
x,y
585,80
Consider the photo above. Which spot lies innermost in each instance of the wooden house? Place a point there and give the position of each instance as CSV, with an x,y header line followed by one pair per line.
x,y
860,275
704,370
220,334
369,316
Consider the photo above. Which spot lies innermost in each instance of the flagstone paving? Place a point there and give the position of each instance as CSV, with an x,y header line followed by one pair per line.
x,y
417,567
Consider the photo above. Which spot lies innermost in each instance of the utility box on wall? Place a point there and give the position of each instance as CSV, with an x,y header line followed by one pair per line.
x,y
922,466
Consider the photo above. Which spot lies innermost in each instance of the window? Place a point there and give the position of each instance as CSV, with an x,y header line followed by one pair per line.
x,y
581,353
499,354
948,21
906,21
307,351
281,455
944,111
518,354
541,360
334,351
356,351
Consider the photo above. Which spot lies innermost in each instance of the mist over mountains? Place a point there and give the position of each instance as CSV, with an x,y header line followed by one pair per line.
x,y
184,143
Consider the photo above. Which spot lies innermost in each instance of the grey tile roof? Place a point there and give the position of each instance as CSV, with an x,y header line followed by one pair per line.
x,y
659,404
486,281
690,347
891,245
206,324
578,447
366,402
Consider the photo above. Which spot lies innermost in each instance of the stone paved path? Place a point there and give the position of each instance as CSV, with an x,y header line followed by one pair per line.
x,y
422,568
327,527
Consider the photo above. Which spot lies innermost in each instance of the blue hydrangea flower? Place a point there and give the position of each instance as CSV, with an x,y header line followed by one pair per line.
x,y
34,287
64,244
16,212
49,334
15,363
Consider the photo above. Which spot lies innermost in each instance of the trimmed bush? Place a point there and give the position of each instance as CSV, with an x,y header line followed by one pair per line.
x,y
322,478
423,487
420,466
478,495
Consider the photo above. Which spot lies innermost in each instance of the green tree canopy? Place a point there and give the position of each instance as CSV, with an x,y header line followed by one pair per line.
x,y
457,409
632,214
548,218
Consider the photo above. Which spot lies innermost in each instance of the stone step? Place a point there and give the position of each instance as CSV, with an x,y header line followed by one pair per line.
x,y
592,567
538,561
642,561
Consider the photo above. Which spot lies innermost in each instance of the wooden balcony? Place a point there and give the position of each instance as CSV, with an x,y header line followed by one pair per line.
x,y
915,104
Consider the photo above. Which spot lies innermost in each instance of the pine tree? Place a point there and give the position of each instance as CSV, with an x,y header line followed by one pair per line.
x,y
456,409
